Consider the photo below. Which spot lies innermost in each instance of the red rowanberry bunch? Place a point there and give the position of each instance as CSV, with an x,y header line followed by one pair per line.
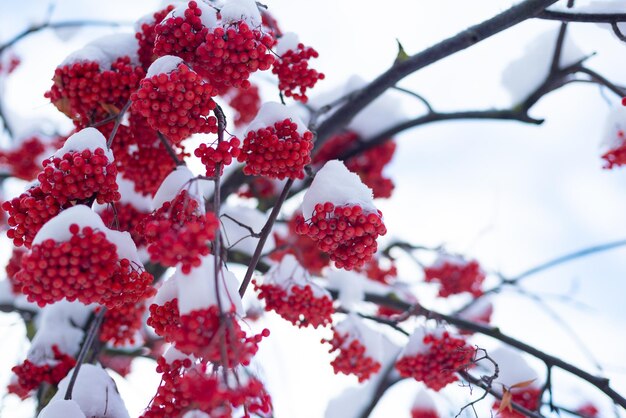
x,y
246,104
176,104
529,398
181,35
345,233
28,213
437,366
616,157
278,151
30,375
351,357
456,276
222,154
80,176
164,319
84,268
178,233
230,54
424,413
292,69
122,323
13,266
22,161
86,93
297,304
146,37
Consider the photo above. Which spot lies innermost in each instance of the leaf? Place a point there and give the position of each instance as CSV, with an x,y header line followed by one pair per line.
x,y
505,403
523,384
402,55
110,109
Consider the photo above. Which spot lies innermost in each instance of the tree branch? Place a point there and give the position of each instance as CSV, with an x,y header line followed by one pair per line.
x,y
583,17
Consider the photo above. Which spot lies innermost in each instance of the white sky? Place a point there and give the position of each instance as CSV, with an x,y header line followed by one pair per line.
x,y
510,195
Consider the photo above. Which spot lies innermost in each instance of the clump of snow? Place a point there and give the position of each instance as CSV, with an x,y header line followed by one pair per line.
x,y
350,286
118,45
477,310
513,368
237,237
272,112
336,184
88,54
196,414
289,273
197,290
172,354
6,293
416,345
62,409
163,65
524,75
355,327
178,180
85,139
288,42
424,401
167,291
241,10
58,229
95,392
129,196
614,127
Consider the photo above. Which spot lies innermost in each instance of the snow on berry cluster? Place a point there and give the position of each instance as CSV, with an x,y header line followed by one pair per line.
x,y
276,144
302,247
175,100
80,172
424,406
200,320
190,390
434,357
223,153
455,275
369,164
75,257
288,290
97,80
338,213
23,160
614,138
292,67
358,347
178,231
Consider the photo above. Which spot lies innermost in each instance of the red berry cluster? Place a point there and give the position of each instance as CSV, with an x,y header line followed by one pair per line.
x,y
215,337
194,390
122,323
302,247
351,357
292,69
178,233
345,233
85,268
588,410
369,164
164,319
296,304
424,413
456,276
30,375
87,93
13,63
223,154
22,161
181,35
80,176
437,367
176,104
124,217
278,151
13,266
374,271
230,54
28,213
529,398
246,104
146,37
616,157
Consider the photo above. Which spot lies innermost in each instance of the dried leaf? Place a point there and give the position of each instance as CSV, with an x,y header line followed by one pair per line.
x,y
523,384
110,109
505,403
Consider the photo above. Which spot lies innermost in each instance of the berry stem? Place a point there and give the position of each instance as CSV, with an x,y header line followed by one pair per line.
x,y
168,147
93,331
265,232
118,122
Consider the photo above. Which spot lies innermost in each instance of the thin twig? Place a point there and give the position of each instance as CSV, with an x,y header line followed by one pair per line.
x,y
170,150
118,122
